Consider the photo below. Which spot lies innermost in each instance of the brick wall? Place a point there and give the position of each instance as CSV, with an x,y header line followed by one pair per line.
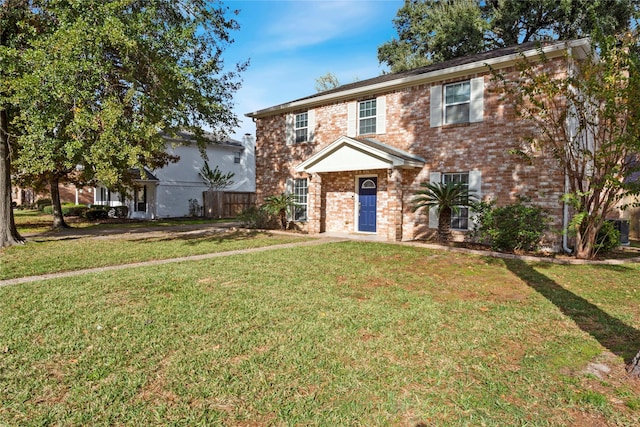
x,y
483,146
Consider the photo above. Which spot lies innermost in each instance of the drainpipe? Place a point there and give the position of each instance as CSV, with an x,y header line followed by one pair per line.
x,y
565,218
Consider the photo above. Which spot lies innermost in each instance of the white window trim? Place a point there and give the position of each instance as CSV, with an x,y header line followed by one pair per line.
x,y
353,119
290,127
476,103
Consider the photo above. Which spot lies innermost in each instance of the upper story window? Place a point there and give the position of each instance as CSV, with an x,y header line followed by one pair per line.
x,y
367,111
237,156
301,127
460,102
367,117
457,98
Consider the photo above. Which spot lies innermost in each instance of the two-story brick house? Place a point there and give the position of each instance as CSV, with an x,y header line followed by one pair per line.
x,y
355,155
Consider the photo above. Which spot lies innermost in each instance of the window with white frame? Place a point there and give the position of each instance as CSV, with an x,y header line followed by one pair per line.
x,y
140,199
457,98
237,156
300,191
301,127
367,111
459,218
460,102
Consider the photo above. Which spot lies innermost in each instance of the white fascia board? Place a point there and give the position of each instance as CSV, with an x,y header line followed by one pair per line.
x,y
552,51
389,159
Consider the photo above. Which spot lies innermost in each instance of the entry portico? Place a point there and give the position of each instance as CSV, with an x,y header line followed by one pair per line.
x,y
356,186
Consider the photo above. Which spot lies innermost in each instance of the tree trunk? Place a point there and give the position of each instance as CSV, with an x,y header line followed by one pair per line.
x,y
58,218
585,241
8,232
444,225
633,368
283,219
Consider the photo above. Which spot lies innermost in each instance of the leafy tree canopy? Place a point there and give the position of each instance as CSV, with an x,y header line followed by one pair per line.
x,y
102,80
438,30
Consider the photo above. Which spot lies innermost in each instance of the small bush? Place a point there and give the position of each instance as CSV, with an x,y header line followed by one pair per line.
x,y
42,203
512,227
95,214
68,209
255,217
608,238
118,211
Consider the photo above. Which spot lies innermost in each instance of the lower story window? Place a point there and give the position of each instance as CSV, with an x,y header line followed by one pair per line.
x,y
300,191
140,199
459,218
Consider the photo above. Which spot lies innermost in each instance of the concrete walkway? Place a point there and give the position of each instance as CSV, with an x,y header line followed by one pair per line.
x,y
29,279
324,238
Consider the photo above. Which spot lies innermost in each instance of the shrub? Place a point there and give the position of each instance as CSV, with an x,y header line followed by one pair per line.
x,y
608,238
68,209
95,214
255,217
118,211
512,227
41,203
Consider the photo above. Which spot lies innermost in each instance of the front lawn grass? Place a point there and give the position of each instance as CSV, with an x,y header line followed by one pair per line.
x,y
340,334
67,254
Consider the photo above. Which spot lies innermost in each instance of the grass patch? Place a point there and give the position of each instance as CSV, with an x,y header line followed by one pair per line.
x,y
51,256
341,334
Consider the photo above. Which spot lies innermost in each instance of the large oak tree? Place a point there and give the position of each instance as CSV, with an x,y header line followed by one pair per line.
x,y
438,30
101,87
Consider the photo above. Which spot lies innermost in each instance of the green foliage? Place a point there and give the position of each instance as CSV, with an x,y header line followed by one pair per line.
x,y
447,199
513,227
215,179
94,214
118,211
607,239
587,121
280,206
100,82
68,209
436,30
41,203
257,217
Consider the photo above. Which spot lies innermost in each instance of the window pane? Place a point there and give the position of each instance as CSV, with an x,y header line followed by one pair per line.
x,y
302,122
367,126
458,113
459,220
300,191
301,135
459,92
368,109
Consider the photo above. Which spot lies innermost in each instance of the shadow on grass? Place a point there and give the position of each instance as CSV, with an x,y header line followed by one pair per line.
x,y
613,334
219,236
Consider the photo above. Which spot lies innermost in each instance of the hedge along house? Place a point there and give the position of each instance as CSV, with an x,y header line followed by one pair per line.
x,y
355,155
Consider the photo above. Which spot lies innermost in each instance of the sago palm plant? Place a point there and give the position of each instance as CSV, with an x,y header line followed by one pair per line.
x,y
447,199
280,206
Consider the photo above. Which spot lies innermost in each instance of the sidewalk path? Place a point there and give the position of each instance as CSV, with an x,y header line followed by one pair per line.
x,y
29,279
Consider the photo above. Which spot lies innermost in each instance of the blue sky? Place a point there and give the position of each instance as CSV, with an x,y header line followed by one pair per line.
x,y
291,43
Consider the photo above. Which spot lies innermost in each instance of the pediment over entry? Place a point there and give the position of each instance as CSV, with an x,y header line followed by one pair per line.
x,y
350,154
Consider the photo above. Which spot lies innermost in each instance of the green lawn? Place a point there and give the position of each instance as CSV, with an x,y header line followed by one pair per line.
x,y
340,334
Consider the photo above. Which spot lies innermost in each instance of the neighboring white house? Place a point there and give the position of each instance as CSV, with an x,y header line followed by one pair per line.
x,y
176,189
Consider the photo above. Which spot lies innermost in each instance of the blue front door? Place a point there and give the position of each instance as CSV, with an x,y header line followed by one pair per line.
x,y
367,189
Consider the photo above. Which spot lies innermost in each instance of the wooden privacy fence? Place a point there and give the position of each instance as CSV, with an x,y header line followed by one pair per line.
x,y
226,204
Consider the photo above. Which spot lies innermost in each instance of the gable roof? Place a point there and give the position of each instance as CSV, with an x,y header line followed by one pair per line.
x,y
349,154
497,58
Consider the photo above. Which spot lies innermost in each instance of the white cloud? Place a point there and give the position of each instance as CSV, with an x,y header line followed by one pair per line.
x,y
312,23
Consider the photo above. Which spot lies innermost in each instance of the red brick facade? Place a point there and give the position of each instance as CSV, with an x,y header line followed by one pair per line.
x,y
485,146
